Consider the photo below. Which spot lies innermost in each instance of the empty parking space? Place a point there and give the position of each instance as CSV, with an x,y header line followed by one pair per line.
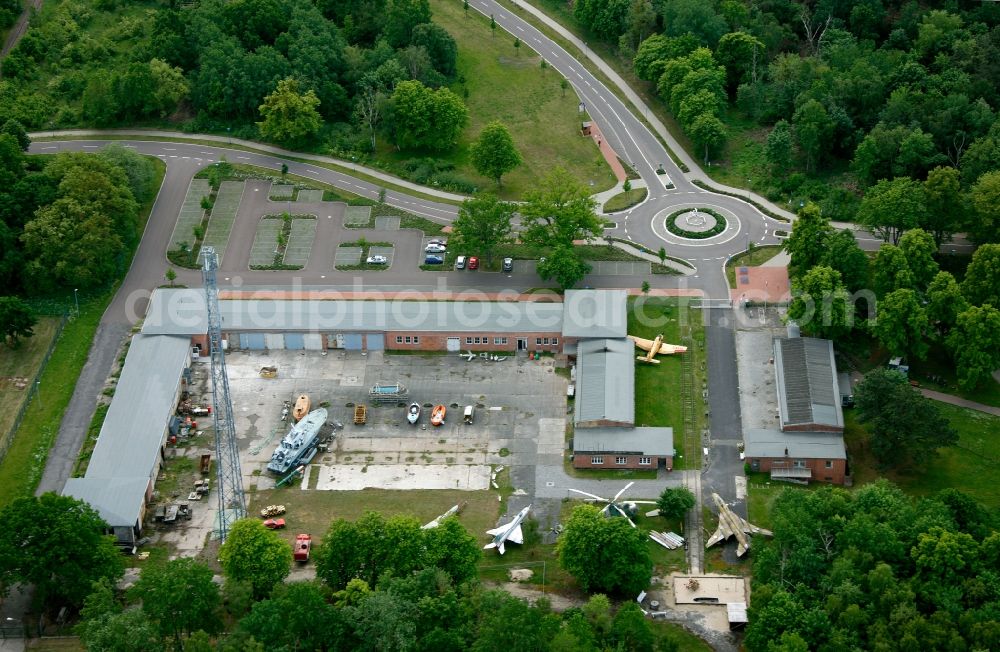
x,y
357,215
300,241
310,196
387,223
281,192
265,243
220,224
347,256
191,213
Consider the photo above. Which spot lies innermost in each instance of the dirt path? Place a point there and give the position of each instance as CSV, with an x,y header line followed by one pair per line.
x,y
20,27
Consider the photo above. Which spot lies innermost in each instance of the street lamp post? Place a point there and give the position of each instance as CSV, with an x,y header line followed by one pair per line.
x,y
749,182
76,300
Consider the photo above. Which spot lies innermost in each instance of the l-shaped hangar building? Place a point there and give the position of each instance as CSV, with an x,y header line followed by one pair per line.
x,y
589,324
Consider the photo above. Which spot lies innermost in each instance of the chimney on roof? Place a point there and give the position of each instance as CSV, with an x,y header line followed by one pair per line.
x,y
786,452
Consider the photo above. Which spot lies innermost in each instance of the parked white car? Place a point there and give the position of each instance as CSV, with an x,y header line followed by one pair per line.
x,y
434,248
377,260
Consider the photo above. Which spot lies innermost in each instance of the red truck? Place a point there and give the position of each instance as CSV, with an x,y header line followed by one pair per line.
x,y
303,543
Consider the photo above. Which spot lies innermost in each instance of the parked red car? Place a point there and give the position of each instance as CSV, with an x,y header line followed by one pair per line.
x,y
473,263
274,523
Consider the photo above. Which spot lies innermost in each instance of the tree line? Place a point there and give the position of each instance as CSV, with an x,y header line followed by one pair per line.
x,y
382,583
848,92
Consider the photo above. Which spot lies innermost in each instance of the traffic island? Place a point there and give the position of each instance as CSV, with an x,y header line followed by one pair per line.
x,y
696,223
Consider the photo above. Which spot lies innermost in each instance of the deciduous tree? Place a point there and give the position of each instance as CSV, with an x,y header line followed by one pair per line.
x,y
675,502
905,427
297,616
892,271
985,226
559,211
944,302
821,304
891,207
708,133
901,324
943,194
483,225
256,555
981,284
494,153
813,128
17,320
451,548
604,554
426,118
565,265
975,344
844,255
289,115
180,597
918,247
807,243
778,149
57,544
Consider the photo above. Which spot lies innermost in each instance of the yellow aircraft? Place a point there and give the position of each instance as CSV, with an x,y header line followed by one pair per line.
x,y
731,525
654,348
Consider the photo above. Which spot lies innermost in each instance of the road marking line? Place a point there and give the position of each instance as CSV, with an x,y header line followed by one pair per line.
x,y
169,149
50,147
245,158
90,146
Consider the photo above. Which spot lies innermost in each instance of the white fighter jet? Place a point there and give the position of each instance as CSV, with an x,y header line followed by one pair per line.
x,y
510,532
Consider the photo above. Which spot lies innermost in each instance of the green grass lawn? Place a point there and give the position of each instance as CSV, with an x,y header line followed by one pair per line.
x,y
624,200
758,256
970,466
509,85
658,396
22,362
940,364
22,468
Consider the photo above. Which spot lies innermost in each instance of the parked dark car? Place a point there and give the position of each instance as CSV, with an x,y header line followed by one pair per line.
x,y
433,260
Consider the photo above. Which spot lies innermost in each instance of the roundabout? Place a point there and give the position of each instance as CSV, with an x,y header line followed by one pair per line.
x,y
696,223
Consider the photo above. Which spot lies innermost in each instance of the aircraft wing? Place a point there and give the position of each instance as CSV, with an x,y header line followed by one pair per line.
x,y
750,528
497,530
721,534
516,536
645,345
671,349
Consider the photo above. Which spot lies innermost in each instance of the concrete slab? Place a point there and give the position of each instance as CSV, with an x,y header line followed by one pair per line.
x,y
265,242
714,589
352,477
619,268
383,251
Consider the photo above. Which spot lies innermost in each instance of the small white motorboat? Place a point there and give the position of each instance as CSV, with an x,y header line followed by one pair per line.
x,y
413,413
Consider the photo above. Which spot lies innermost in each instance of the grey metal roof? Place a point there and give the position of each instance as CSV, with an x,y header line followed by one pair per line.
x,y
640,441
118,500
133,429
808,392
182,312
815,445
605,380
595,313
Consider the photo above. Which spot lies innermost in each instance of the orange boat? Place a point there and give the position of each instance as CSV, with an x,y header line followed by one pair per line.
x,y
437,415
302,405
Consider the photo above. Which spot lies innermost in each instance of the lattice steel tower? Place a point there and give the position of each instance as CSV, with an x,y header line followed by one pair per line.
x,y
232,501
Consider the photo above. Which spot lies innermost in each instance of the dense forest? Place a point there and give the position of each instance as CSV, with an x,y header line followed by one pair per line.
x,y
335,73
874,569
69,220
831,96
